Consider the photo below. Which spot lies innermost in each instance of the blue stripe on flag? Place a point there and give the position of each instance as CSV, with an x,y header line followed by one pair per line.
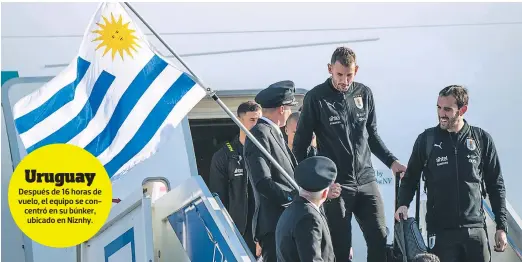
x,y
151,124
80,122
59,99
127,102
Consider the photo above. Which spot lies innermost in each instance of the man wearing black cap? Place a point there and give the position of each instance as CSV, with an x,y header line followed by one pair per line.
x,y
272,191
302,232
341,112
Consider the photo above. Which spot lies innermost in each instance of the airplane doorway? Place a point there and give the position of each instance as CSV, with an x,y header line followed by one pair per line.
x,y
208,135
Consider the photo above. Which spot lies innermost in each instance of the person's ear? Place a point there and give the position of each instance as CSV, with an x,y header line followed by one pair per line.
x,y
463,110
325,193
330,68
356,69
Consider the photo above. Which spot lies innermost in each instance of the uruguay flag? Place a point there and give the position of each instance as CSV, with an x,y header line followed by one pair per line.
x,y
114,99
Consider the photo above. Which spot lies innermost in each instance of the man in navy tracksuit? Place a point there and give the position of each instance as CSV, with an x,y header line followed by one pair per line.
x,y
229,180
460,167
341,112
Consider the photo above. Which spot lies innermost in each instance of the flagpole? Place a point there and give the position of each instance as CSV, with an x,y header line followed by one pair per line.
x,y
213,95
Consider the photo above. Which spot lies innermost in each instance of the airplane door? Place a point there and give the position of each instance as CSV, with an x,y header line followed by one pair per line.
x,y
12,236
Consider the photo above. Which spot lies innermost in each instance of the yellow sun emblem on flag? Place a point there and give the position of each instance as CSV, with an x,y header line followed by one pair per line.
x,y
116,36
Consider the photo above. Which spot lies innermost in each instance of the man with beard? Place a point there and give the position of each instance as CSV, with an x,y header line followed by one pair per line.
x,y
341,112
460,166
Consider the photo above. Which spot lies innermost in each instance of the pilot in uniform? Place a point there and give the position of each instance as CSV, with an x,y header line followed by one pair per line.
x,y
272,191
302,232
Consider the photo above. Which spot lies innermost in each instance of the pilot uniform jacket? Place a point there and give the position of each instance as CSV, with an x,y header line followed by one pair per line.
x,y
302,234
272,191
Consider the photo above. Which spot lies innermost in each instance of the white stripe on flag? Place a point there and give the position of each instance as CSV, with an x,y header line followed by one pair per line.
x,y
181,109
63,115
140,111
41,95
113,96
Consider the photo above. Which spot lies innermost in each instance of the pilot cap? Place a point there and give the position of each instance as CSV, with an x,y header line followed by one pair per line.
x,y
315,173
277,94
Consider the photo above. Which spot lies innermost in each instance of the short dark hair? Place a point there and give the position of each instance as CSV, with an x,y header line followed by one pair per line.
x,y
426,257
293,117
248,106
344,55
459,92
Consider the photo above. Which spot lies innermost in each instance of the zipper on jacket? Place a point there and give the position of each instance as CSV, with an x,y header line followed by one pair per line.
x,y
247,202
355,161
247,188
455,146
349,126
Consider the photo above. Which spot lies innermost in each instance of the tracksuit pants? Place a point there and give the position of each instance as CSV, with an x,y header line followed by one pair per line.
x,y
460,245
365,203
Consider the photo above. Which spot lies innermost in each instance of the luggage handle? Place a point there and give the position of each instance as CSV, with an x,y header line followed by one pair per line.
x,y
397,185
417,196
395,246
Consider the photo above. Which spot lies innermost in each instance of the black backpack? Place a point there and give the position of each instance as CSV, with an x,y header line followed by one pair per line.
x,y
407,238
231,153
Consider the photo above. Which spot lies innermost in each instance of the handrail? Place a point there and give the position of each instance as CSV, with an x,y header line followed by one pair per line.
x,y
514,235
